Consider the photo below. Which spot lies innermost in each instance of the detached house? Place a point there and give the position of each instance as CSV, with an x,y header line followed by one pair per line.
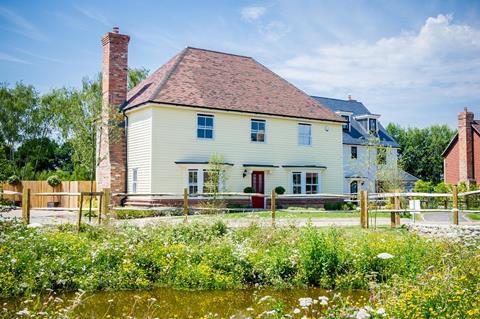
x,y
203,102
367,147
461,158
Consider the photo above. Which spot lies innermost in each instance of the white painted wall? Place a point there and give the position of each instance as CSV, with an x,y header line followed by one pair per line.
x,y
365,165
171,132
139,149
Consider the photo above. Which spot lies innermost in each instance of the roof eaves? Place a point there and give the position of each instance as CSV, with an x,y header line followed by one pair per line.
x,y
228,110
449,146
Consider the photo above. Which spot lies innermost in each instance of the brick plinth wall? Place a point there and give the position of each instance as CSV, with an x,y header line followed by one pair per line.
x,y
111,141
283,202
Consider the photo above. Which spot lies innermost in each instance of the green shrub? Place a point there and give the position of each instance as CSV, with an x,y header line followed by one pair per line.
x,y
279,190
13,180
54,181
249,190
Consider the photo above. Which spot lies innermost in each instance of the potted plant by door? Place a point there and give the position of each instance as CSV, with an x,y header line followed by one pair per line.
x,y
54,181
249,190
15,182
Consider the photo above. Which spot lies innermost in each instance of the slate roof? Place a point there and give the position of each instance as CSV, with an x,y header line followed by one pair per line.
x,y
357,135
215,80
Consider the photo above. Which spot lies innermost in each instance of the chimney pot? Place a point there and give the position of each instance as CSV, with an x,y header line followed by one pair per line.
x,y
116,30
349,97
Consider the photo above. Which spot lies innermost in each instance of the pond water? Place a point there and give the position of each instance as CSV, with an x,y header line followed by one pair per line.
x,y
170,303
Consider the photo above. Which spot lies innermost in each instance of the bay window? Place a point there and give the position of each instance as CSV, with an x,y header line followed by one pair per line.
x,y
202,181
305,183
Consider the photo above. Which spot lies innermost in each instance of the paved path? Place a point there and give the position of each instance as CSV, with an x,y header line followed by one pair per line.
x,y
445,218
60,217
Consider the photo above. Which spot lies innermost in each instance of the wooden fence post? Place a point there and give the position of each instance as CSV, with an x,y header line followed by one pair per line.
x,y
397,213
185,204
364,209
455,204
273,206
100,202
106,202
79,222
392,214
26,205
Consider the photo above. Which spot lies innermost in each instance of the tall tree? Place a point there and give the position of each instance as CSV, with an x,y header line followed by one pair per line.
x,y
421,149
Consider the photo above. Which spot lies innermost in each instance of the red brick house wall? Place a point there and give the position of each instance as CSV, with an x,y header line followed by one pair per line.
x,y
461,159
476,156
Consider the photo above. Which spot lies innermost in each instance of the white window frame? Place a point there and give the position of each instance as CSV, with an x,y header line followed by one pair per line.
x,y
264,130
302,136
134,180
192,184
349,118
200,180
296,185
303,180
205,127
376,125
351,152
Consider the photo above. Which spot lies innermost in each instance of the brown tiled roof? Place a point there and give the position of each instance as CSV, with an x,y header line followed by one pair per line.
x,y
210,79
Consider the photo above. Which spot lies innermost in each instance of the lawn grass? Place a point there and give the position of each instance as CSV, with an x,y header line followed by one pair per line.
x,y
300,214
474,216
303,214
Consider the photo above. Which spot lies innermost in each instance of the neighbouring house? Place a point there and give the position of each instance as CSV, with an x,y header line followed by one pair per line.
x,y
204,102
461,158
370,155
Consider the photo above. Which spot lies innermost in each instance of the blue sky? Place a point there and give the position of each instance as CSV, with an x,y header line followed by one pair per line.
x,y
414,62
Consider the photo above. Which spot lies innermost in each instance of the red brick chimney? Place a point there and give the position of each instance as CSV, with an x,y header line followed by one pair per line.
x,y
111,145
465,146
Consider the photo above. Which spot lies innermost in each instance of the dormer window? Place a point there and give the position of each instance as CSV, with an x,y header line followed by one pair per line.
x,y
346,126
347,116
372,126
369,122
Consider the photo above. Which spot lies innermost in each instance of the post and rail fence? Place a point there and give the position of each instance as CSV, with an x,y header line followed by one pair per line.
x,y
366,202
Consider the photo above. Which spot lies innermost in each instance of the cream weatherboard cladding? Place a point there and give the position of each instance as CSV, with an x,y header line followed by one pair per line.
x,y
139,149
171,133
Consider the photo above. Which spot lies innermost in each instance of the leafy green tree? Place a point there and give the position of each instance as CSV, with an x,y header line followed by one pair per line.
x,y
423,187
135,76
421,149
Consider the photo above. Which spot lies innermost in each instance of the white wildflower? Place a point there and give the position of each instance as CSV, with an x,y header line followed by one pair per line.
x,y
380,311
296,310
305,302
323,300
23,312
362,314
385,256
249,309
264,298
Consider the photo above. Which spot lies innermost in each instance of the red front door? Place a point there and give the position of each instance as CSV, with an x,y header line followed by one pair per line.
x,y
258,184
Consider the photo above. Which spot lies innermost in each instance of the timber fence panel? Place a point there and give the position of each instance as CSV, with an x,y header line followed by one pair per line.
x,y
43,187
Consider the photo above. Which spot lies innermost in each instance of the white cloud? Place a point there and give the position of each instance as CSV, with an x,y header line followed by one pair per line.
x,y
93,14
274,30
252,13
21,25
440,60
10,58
